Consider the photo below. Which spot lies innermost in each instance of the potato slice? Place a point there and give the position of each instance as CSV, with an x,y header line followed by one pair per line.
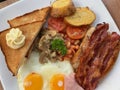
x,y
82,16
62,8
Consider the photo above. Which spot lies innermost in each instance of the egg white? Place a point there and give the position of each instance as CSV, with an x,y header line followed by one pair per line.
x,y
46,70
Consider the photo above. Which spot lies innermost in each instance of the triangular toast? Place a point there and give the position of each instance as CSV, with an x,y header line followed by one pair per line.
x,y
30,24
15,57
36,15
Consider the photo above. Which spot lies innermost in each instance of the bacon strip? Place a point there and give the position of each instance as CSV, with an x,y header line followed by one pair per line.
x,y
96,59
115,40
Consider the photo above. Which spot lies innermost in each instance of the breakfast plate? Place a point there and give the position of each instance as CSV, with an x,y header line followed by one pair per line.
x,y
111,81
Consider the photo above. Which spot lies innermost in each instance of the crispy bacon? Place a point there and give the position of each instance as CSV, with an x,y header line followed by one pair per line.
x,y
115,40
96,58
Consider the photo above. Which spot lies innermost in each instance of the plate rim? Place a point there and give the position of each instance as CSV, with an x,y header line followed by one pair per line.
x,y
15,3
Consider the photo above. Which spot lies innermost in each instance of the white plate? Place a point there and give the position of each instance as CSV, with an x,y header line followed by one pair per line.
x,y
111,81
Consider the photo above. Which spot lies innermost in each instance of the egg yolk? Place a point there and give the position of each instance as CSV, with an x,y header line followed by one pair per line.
x,y
57,82
33,82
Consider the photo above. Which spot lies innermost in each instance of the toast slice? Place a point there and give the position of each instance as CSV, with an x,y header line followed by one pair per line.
x,y
37,15
15,57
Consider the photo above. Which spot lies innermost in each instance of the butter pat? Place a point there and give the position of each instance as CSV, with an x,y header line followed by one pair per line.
x,y
15,38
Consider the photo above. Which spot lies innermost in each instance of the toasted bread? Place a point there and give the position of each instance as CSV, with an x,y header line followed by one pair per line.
x,y
30,24
14,58
37,15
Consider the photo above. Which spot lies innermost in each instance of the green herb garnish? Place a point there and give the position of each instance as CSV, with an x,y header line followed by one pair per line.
x,y
59,46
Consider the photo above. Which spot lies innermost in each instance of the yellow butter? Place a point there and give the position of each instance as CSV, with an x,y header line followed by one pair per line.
x,y
15,38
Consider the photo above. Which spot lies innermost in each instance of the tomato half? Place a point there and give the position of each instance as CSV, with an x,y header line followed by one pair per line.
x,y
76,32
56,23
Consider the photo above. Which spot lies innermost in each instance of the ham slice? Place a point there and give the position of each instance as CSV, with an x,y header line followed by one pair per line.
x,y
71,84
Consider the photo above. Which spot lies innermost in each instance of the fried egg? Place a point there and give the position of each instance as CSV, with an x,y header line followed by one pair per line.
x,y
49,76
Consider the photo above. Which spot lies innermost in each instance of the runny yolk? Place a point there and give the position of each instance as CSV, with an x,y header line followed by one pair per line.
x,y
33,82
57,82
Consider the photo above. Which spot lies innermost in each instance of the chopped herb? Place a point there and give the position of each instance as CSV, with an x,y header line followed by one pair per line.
x,y
59,46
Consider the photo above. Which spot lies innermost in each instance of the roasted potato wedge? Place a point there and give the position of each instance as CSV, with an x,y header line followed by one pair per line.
x,y
62,8
82,16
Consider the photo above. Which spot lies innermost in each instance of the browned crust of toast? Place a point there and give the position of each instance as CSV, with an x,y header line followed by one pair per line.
x,y
34,45
36,15
14,58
